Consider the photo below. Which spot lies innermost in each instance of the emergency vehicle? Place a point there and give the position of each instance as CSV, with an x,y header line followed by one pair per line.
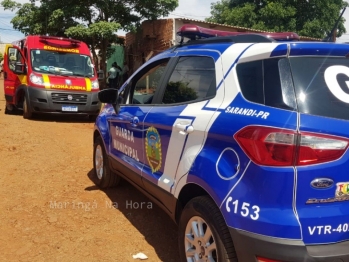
x,y
242,139
45,74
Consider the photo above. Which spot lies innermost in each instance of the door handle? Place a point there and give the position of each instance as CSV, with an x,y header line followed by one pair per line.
x,y
184,129
134,121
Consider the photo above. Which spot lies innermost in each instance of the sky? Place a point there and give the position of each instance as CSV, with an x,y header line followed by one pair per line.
x,y
194,9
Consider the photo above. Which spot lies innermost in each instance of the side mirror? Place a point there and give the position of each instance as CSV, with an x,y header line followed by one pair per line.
x,y
109,96
20,68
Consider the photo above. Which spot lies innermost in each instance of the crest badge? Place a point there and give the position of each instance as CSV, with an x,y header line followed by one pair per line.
x,y
68,82
153,149
342,189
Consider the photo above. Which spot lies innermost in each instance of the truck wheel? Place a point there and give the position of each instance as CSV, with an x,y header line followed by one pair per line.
x,y
203,234
103,175
10,109
27,113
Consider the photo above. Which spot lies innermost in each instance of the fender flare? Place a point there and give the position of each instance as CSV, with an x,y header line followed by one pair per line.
x,y
102,121
21,88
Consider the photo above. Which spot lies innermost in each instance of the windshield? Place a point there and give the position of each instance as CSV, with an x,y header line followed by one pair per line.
x,y
44,61
322,85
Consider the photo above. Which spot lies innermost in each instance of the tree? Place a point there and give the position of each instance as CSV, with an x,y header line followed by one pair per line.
x,y
1,57
313,18
93,21
179,92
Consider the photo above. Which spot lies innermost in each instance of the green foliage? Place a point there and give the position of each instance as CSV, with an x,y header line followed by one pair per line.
x,y
313,18
38,19
178,92
92,21
1,57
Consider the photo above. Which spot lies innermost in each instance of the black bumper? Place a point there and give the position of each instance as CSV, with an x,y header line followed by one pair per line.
x,y
248,246
52,101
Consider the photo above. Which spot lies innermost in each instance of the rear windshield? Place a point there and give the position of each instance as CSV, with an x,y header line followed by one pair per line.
x,y
322,85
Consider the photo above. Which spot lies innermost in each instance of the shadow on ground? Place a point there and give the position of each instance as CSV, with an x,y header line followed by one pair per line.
x,y
59,117
62,118
153,223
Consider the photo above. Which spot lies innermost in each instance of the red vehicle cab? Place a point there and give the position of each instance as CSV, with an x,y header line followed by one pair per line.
x,y
44,74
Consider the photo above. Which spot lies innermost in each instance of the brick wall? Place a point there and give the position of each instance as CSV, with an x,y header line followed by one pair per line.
x,y
156,36
153,38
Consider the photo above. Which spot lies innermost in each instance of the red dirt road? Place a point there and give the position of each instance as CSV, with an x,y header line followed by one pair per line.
x,y
50,210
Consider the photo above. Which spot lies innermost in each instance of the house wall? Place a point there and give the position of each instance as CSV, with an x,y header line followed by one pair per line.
x,y
151,39
179,22
159,35
117,56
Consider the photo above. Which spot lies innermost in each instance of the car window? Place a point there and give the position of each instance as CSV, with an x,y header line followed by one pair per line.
x,y
193,79
321,85
250,77
14,57
267,82
146,83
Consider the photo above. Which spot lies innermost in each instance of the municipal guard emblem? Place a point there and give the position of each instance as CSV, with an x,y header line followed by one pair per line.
x,y
153,149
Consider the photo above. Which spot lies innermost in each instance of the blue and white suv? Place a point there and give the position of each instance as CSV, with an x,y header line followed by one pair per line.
x,y
243,140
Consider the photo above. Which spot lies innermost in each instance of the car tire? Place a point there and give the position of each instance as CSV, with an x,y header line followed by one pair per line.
x,y
10,110
202,214
104,177
27,113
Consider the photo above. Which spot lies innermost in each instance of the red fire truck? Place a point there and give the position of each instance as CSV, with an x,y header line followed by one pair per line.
x,y
45,74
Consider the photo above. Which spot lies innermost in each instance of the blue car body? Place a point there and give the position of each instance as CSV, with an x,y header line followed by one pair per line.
x,y
173,151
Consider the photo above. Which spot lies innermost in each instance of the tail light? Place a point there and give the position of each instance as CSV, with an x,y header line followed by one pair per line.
x,y
278,147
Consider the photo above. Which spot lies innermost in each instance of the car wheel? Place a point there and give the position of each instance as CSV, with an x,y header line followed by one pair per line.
x,y
203,234
10,109
27,113
103,175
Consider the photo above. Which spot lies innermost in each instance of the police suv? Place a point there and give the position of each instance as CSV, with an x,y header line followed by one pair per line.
x,y
242,139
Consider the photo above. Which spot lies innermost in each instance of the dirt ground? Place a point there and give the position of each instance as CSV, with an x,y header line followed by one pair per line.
x,y
50,209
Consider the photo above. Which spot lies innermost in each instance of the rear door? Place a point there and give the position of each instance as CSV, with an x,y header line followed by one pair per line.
x,y
322,89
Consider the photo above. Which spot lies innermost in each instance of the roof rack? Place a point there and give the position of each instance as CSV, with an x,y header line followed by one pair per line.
x,y
194,32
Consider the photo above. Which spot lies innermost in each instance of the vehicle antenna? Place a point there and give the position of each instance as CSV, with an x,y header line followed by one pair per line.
x,y
330,36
